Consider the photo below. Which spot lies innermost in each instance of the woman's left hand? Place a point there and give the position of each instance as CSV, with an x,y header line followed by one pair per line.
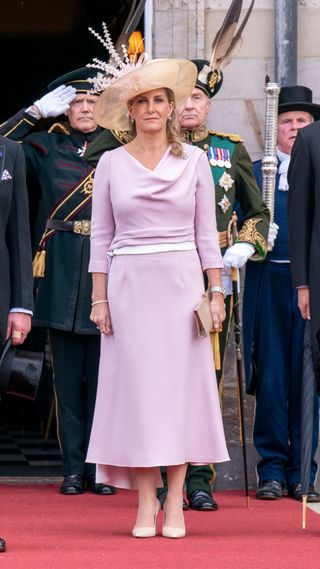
x,y
100,315
218,310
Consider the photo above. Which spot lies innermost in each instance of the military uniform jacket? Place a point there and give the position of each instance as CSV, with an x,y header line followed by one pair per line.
x,y
15,245
55,162
236,183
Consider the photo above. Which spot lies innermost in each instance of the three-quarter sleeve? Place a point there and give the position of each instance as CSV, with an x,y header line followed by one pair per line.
x,y
205,218
102,221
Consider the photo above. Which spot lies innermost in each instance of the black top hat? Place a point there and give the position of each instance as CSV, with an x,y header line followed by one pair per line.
x,y
78,78
208,81
297,98
20,371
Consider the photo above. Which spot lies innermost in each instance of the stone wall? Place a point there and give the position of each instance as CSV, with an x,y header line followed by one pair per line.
x,y
186,28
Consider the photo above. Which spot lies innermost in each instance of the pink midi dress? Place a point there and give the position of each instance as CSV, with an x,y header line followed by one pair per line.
x,y
157,400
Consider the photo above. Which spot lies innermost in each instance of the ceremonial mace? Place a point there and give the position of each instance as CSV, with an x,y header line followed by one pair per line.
x,y
269,172
269,160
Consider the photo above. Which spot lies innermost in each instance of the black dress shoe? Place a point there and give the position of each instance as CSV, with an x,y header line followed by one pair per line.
x,y
294,491
2,545
163,496
201,500
269,490
99,487
72,484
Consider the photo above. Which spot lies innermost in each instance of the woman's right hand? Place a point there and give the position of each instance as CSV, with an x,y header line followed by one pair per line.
x,y
218,311
100,315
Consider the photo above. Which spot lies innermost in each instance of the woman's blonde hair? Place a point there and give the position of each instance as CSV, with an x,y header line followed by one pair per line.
x,y
173,129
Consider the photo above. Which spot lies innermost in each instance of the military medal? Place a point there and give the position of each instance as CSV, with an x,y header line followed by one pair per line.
x,y
226,181
219,157
212,156
224,204
227,161
219,153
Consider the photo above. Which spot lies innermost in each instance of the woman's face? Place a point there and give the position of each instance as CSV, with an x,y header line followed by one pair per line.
x,y
151,110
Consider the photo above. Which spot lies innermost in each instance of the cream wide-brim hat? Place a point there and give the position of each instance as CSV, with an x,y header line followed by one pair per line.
x,y
179,75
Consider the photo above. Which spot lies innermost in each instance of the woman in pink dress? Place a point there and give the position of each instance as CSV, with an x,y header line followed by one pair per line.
x,y
153,234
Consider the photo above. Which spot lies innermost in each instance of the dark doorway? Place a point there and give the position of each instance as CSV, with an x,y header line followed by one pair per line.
x,y
39,41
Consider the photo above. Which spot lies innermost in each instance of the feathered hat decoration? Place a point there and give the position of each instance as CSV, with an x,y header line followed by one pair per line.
x,y
116,65
226,44
120,59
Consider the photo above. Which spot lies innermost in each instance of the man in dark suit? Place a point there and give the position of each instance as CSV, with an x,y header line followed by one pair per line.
x,y
15,248
304,229
273,328
16,296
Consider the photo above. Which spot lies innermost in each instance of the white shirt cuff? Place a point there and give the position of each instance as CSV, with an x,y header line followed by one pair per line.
x,y
23,310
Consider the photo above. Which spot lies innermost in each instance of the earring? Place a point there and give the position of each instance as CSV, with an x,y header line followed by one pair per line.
x,y
170,118
132,120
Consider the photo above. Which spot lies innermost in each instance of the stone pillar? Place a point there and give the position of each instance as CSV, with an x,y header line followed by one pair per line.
x,y
179,28
286,41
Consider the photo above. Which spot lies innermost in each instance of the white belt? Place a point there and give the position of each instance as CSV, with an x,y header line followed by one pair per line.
x,y
153,248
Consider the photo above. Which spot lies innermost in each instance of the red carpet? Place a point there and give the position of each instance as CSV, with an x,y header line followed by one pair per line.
x,y
45,530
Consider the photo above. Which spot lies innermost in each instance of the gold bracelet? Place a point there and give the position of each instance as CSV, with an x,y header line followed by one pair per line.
x,y
99,302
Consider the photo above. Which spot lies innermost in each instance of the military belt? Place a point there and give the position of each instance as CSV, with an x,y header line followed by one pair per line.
x,y
78,226
83,227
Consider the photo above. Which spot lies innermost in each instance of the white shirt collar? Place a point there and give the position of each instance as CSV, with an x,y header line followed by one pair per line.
x,y
283,170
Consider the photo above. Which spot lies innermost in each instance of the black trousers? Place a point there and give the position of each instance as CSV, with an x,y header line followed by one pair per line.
x,y
197,478
75,361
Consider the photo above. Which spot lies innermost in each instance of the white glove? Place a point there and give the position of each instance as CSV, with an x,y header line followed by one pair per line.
x,y
273,232
238,254
56,102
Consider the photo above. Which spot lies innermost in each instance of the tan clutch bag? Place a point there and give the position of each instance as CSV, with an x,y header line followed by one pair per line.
x,y
203,315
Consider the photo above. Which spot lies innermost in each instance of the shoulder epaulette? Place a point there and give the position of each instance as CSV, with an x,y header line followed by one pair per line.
x,y
122,136
232,137
58,128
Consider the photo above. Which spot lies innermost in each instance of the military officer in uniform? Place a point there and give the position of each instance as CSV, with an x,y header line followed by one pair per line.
x,y
55,164
234,181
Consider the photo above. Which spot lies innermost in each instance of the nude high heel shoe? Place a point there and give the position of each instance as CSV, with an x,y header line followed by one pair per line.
x,y
140,531
174,533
